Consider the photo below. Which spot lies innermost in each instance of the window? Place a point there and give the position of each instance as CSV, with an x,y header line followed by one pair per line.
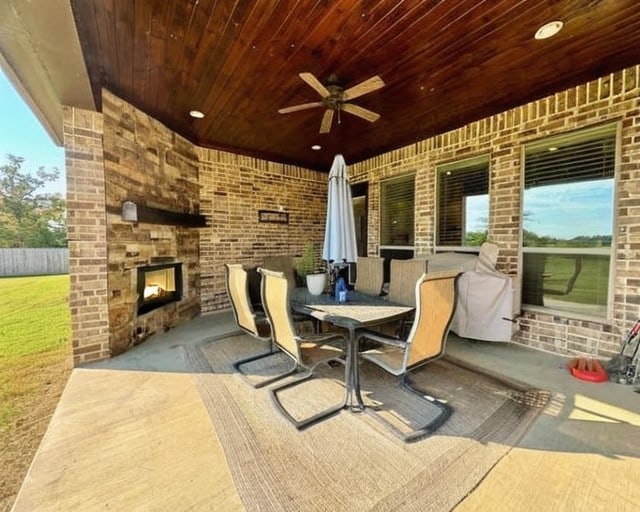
x,y
568,221
397,212
463,204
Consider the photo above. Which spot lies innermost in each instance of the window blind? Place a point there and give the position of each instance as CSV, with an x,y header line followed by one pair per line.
x,y
584,157
566,246
397,199
456,182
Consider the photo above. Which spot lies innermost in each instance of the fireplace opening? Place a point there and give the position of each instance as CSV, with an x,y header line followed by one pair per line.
x,y
158,285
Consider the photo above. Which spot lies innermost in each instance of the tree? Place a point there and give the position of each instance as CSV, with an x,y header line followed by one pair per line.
x,y
29,218
475,238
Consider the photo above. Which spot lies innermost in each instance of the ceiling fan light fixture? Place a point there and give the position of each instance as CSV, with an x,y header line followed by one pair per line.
x,y
336,99
196,114
549,30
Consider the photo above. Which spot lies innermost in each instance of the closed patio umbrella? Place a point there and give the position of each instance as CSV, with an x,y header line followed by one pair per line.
x,y
340,232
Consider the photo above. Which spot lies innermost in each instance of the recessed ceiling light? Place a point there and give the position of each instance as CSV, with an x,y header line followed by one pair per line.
x,y
549,30
316,147
197,114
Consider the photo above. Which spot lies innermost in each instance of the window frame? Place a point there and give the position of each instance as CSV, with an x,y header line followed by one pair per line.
x,y
592,132
383,183
459,165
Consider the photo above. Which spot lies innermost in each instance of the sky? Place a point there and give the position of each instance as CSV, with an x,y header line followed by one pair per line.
x,y
22,135
558,211
477,213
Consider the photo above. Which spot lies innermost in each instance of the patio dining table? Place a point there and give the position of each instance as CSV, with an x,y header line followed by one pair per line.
x,y
358,312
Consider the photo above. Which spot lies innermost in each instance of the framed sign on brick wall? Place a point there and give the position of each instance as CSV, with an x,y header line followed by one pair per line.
x,y
273,216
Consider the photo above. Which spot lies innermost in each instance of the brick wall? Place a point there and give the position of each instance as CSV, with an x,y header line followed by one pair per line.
x,y
613,98
234,189
86,228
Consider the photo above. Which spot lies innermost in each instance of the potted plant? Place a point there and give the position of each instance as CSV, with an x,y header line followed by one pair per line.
x,y
306,270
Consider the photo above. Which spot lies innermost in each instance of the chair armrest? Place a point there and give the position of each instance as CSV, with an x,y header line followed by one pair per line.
x,y
380,338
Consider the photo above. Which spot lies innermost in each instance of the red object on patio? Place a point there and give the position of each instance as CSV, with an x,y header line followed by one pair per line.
x,y
587,369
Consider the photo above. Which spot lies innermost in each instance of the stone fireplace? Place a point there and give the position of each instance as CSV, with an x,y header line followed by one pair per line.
x,y
122,155
158,285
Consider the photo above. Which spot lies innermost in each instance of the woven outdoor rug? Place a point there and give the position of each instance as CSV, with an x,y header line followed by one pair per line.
x,y
350,461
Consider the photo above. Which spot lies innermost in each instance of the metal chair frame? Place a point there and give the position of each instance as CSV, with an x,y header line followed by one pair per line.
x,y
248,321
275,300
435,306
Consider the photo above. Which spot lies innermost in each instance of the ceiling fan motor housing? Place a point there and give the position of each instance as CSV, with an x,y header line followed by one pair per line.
x,y
334,100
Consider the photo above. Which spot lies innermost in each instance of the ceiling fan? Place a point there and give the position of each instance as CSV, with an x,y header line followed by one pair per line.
x,y
335,98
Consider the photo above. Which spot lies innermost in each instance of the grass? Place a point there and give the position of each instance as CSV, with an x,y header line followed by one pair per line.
x,y
34,315
591,284
569,284
35,363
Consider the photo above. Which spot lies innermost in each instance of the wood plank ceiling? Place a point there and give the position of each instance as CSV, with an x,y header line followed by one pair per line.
x,y
444,63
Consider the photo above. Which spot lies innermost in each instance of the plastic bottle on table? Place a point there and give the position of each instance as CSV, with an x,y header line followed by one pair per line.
x,y
341,290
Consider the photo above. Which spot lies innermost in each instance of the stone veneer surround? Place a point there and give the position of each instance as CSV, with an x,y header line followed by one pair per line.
x,y
117,155
148,164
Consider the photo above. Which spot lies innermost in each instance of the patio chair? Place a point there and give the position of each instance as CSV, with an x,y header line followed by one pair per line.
x,y
435,296
284,264
369,275
404,275
252,322
305,351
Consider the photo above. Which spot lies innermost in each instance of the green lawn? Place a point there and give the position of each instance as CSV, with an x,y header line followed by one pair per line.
x,y
35,364
591,284
570,279
34,337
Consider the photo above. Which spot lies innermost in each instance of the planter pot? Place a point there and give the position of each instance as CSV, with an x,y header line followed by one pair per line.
x,y
316,283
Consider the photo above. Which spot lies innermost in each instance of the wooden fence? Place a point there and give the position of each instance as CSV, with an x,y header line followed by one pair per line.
x,y
33,262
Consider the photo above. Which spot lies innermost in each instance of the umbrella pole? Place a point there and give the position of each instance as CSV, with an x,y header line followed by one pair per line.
x,y
332,277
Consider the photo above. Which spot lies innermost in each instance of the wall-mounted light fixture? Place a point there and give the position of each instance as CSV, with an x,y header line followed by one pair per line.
x,y
129,211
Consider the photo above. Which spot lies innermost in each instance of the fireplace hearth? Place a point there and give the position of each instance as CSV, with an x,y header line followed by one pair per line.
x,y
158,285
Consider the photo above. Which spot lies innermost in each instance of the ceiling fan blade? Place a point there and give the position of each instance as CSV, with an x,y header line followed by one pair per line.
x,y
370,85
303,106
356,110
325,126
315,83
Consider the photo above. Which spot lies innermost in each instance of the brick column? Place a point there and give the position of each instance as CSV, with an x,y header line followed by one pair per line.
x,y
86,227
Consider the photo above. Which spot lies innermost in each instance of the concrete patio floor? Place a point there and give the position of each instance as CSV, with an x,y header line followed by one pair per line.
x,y
132,433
